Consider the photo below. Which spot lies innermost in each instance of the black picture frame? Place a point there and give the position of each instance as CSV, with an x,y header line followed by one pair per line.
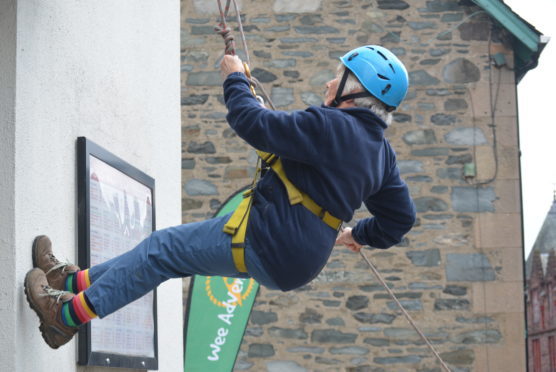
x,y
89,152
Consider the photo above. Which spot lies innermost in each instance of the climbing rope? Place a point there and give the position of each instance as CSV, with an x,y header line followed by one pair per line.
x,y
407,316
223,30
230,48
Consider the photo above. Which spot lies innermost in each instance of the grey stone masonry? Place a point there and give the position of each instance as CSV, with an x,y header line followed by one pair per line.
x,y
456,272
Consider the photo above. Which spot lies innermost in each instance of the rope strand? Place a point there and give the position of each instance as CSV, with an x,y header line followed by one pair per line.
x,y
407,316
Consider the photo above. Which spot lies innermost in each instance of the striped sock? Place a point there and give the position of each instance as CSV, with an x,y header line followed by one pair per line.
x,y
78,311
78,282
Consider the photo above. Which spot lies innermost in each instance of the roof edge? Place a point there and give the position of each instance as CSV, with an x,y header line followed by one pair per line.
x,y
529,41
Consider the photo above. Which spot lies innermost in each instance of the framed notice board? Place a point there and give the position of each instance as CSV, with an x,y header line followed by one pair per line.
x,y
116,211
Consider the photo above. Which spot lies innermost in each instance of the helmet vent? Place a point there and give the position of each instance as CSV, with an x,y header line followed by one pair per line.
x,y
386,89
353,56
382,77
382,55
392,67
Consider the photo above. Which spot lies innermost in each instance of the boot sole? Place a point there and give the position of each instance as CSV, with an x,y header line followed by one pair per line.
x,y
34,250
34,308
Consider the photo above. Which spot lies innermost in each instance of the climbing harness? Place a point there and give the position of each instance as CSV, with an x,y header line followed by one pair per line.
x,y
237,224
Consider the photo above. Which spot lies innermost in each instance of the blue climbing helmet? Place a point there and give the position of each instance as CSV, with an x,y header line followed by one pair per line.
x,y
380,72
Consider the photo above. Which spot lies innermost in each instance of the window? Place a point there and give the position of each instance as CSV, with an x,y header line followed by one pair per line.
x,y
536,355
552,353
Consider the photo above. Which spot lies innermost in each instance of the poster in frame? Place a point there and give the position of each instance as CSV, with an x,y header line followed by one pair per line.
x,y
116,211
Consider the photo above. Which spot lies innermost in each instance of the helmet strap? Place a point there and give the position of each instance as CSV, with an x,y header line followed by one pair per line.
x,y
339,98
341,86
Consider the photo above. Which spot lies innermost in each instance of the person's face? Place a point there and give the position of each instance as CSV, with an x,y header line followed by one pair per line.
x,y
331,89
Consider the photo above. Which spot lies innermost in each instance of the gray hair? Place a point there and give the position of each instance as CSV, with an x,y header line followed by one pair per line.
x,y
373,104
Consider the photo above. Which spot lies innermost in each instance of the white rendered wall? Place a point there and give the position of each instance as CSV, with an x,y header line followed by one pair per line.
x,y
107,70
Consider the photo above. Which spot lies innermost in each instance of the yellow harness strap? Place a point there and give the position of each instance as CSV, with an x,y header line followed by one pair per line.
x,y
237,227
297,196
237,224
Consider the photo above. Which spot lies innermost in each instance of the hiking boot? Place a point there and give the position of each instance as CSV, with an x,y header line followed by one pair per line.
x,y
43,258
47,303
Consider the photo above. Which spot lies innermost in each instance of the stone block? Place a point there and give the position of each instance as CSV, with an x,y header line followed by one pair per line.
x,y
455,290
204,78
420,137
196,187
478,31
194,99
473,199
392,4
294,6
310,98
480,336
417,26
317,30
332,336
320,78
431,151
374,318
281,63
443,6
260,350
406,359
310,316
263,317
441,304
509,198
306,349
486,297
293,333
377,341
357,302
497,230
466,137
210,7
284,366
422,78
426,258
455,104
349,350
282,96
458,357
264,76
443,119
471,267
461,71
507,357
409,305
401,118
410,166
427,203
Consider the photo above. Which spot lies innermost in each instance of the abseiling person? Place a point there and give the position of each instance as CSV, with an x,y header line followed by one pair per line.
x,y
326,161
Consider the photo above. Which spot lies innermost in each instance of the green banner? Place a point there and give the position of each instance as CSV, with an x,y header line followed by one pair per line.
x,y
217,314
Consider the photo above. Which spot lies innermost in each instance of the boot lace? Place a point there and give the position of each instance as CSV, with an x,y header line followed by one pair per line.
x,y
54,293
59,265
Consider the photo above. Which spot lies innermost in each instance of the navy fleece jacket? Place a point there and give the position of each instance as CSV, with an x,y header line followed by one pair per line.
x,y
341,159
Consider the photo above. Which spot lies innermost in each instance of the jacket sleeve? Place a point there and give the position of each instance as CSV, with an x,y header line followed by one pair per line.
x,y
296,135
393,215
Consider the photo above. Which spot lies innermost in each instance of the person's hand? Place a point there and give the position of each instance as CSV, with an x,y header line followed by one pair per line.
x,y
230,64
345,238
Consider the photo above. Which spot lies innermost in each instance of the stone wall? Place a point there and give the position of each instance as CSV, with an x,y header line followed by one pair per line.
x,y
459,271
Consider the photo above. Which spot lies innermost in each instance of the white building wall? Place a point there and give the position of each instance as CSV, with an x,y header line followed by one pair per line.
x,y
106,70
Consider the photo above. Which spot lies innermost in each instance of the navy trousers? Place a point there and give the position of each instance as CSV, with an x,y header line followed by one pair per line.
x,y
199,248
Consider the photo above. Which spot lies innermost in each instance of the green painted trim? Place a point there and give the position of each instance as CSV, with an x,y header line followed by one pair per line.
x,y
529,42
512,22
